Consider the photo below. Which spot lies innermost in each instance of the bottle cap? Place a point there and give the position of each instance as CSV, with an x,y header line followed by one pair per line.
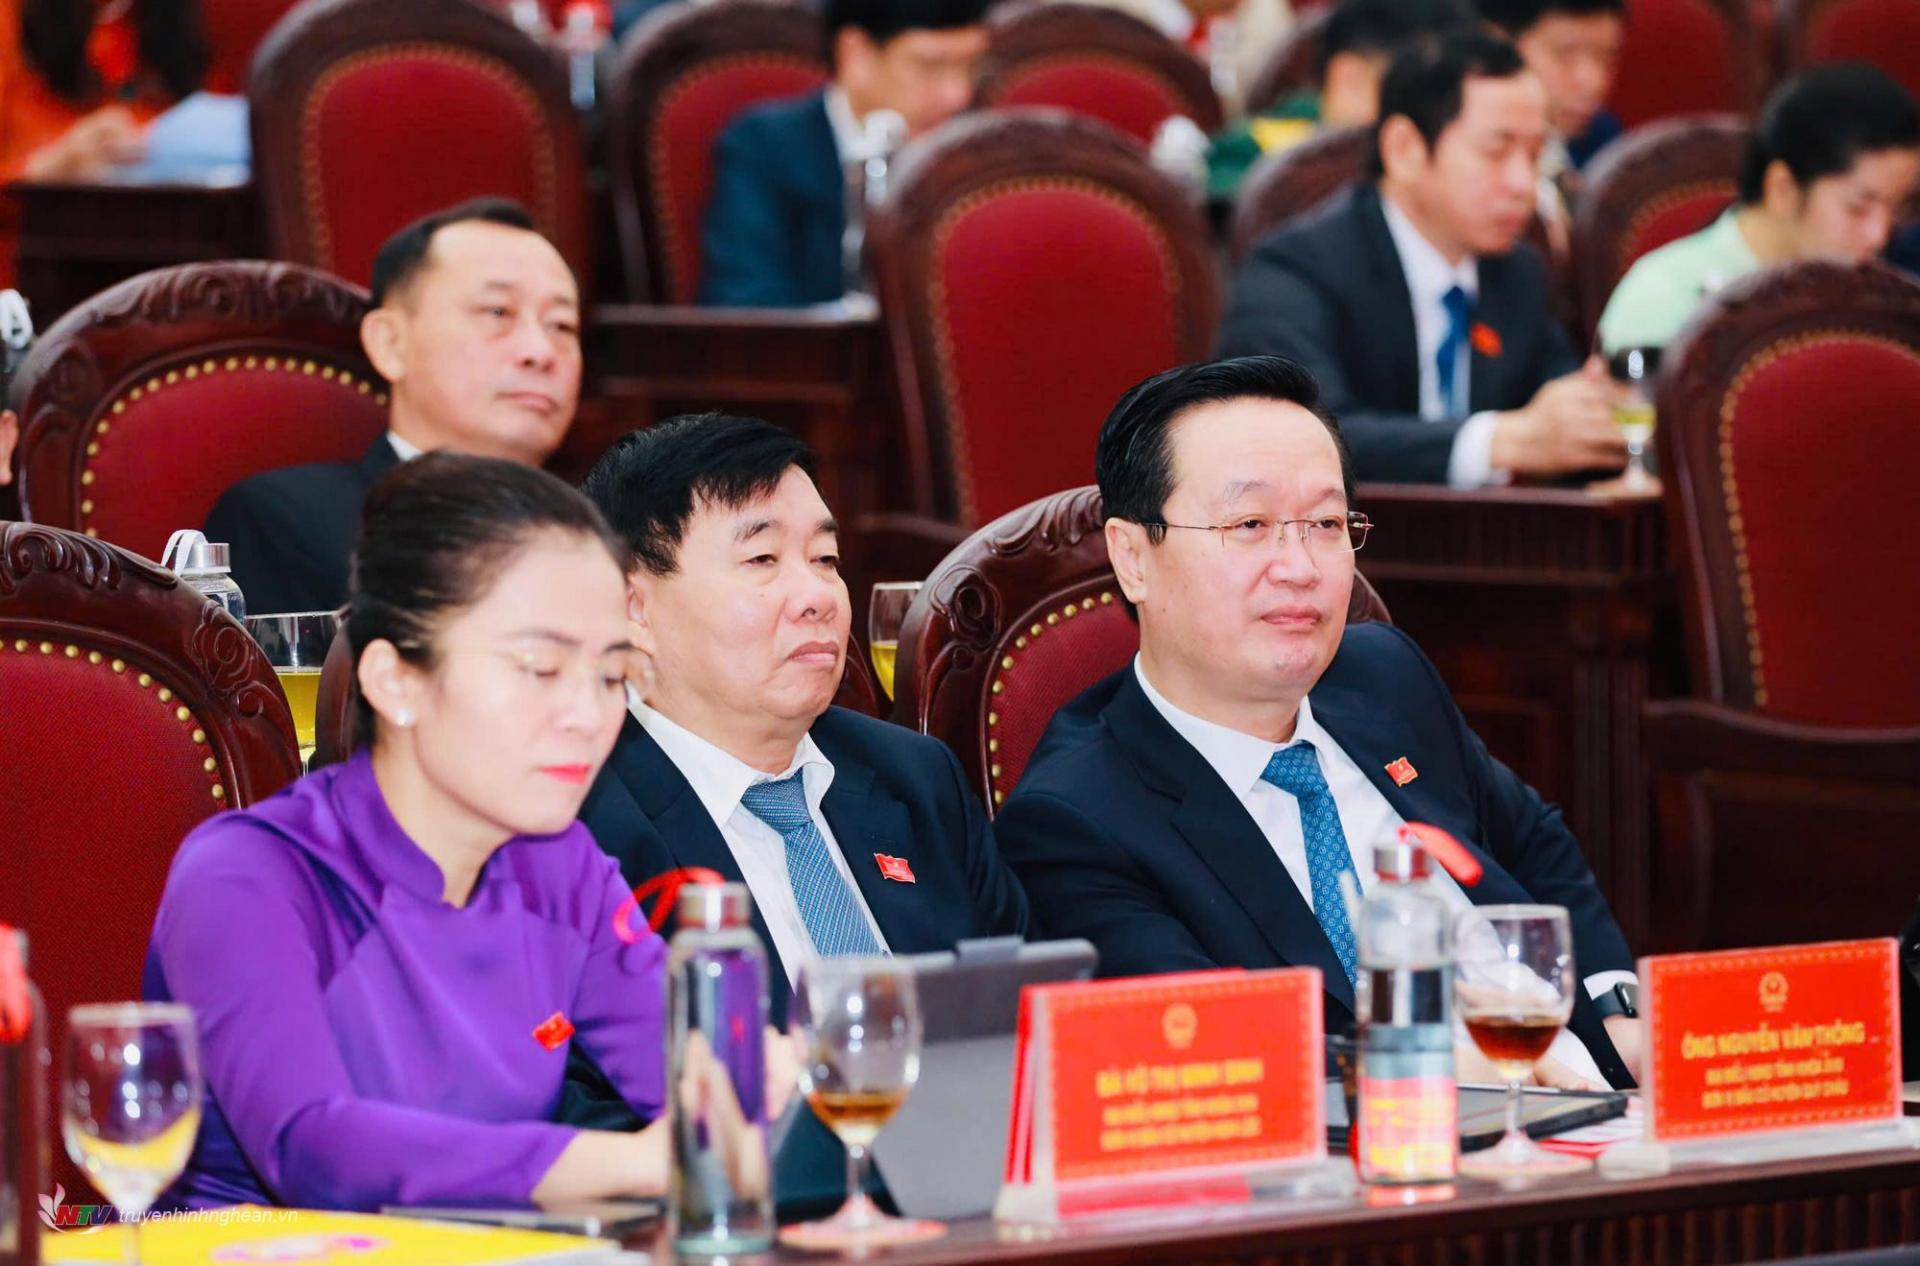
x,y
1401,860
189,550
713,906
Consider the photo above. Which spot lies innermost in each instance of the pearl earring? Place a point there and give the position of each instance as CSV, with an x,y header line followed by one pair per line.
x,y
403,718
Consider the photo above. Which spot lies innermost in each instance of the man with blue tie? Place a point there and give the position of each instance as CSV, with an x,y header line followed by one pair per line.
x,y
1412,299
854,835
1198,808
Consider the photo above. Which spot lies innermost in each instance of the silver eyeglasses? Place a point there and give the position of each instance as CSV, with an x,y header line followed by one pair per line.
x,y
1323,537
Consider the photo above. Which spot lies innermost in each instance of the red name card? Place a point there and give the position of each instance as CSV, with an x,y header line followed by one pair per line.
x,y
1162,1089
1772,1039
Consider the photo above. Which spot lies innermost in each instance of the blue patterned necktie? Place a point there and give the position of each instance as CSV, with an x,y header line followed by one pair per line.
x,y
1453,393
1296,771
827,906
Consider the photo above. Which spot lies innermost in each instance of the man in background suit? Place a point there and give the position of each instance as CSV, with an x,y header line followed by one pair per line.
x,y
854,835
1198,808
774,222
1411,300
476,328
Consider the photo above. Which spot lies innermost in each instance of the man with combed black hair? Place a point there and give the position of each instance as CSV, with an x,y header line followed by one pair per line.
x,y
1413,301
1199,808
854,835
772,233
1828,171
476,328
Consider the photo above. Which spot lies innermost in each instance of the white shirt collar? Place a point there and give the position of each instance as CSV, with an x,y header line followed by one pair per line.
x,y
717,776
1429,275
849,138
1239,758
403,449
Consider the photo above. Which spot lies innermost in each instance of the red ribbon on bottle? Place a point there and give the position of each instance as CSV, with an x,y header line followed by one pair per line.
x,y
1446,850
665,889
16,1005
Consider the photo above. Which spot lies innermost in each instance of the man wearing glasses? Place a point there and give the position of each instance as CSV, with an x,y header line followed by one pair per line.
x,y
1199,808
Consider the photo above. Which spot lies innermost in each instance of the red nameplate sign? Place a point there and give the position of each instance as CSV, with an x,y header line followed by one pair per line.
x,y
1772,1039
1162,1089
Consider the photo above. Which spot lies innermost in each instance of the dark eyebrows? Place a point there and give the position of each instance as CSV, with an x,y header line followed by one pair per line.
x,y
828,526
747,529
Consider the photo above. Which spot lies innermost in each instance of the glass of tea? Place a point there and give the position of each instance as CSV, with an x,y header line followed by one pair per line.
x,y
862,1037
1513,984
886,613
296,645
1633,370
130,1102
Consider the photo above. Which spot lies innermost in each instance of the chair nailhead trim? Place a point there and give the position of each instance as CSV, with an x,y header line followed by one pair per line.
x,y
999,683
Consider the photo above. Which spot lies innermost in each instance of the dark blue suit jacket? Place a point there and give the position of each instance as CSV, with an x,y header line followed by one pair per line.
x,y
1327,290
894,792
773,224
1123,834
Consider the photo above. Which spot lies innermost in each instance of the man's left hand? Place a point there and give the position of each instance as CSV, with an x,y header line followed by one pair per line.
x,y
1629,1038
9,436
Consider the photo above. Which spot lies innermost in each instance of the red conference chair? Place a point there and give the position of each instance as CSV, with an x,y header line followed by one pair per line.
x,y
683,75
1031,267
1656,184
368,114
1293,64
1019,619
1095,62
141,406
133,710
1688,57
1283,185
233,30
1883,33
1789,784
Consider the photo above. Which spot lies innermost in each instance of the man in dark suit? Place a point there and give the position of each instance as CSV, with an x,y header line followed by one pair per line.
x,y
1413,302
854,835
772,236
476,327
1199,808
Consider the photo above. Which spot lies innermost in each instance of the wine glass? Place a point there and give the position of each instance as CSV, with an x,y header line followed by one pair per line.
x,y
1633,369
296,644
886,612
1513,986
862,1035
130,1102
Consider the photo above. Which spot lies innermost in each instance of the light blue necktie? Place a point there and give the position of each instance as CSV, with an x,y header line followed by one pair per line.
x,y
827,906
1453,384
1296,771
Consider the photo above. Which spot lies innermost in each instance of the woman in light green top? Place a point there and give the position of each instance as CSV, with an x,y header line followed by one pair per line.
x,y
1835,156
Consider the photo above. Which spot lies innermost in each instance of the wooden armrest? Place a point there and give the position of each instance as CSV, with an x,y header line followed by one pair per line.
x,y
1686,735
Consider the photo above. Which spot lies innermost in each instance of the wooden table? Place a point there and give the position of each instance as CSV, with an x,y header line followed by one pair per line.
x,y
1552,615
1748,1213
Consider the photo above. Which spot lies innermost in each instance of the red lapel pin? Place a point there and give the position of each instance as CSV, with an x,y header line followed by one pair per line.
x,y
554,1031
1402,772
1486,339
895,868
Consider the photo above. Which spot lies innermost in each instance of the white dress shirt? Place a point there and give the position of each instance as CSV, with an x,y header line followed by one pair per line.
x,y
1429,277
402,449
719,778
1366,818
849,136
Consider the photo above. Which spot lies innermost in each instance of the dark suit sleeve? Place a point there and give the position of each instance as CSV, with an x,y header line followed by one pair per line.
x,y
746,252
1530,838
243,519
1277,307
1558,356
998,898
1083,884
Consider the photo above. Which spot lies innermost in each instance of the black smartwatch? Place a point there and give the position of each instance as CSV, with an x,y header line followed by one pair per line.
x,y
1622,999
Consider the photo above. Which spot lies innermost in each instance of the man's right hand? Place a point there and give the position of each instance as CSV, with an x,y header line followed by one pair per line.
x,y
108,137
9,436
1567,426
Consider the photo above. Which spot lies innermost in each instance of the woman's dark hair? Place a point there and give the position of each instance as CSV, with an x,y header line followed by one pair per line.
x,y
433,534
54,35
1822,121
1133,460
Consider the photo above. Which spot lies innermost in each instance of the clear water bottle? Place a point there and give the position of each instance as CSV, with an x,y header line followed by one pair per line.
x,y
1408,1101
24,1128
207,566
720,1200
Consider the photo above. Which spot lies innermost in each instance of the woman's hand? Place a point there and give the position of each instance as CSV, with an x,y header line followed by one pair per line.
x,y
109,137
